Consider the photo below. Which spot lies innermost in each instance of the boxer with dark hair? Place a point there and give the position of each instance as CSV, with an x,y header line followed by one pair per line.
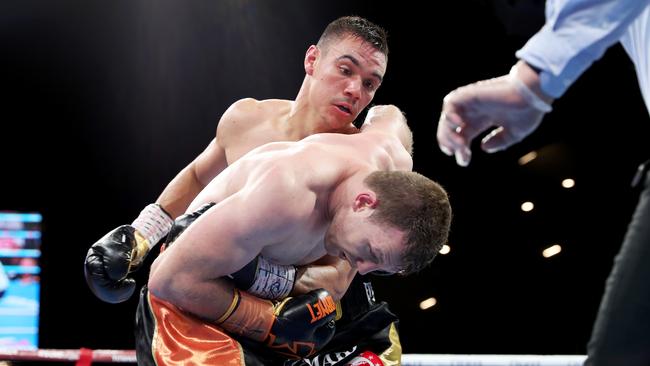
x,y
293,203
343,72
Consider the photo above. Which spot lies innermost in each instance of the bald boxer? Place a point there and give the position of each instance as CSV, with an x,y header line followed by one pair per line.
x,y
326,196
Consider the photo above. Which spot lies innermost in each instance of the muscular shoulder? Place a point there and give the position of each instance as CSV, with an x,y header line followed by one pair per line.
x,y
282,198
248,113
239,115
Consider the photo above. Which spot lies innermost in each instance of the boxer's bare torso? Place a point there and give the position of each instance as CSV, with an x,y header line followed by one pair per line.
x,y
306,173
278,200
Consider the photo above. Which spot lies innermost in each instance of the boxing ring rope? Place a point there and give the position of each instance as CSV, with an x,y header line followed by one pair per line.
x,y
84,357
491,360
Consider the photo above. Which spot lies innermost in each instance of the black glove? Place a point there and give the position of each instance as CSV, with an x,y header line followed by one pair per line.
x,y
182,222
120,252
303,324
108,264
296,328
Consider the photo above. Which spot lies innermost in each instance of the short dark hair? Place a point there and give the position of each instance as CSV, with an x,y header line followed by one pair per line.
x,y
357,27
416,205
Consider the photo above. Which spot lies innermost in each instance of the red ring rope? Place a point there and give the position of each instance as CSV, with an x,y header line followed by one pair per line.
x,y
84,355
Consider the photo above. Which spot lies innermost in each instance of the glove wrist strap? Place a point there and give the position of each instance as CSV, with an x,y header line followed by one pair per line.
x,y
248,316
265,279
153,224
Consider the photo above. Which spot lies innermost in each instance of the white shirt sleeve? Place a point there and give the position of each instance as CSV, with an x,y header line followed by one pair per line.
x,y
576,33
636,42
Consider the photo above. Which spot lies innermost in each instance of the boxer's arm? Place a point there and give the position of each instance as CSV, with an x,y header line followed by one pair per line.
x,y
187,184
112,259
268,280
331,273
296,328
224,239
187,273
389,120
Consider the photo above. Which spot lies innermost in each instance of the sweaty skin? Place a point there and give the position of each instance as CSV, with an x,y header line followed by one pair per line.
x,y
341,80
280,200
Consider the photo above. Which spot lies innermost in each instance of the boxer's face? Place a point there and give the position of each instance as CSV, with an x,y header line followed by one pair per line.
x,y
366,244
345,74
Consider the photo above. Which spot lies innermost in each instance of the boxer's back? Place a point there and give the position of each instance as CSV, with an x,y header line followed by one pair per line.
x,y
310,169
316,163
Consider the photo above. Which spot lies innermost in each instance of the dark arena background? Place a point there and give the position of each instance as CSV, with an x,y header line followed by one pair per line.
x,y
102,103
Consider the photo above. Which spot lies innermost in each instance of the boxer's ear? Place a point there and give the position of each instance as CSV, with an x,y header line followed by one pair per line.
x,y
365,200
311,56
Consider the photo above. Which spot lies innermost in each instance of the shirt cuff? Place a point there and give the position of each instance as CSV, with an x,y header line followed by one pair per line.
x,y
559,61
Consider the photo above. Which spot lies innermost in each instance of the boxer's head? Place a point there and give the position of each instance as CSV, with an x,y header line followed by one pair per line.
x,y
344,69
357,27
397,225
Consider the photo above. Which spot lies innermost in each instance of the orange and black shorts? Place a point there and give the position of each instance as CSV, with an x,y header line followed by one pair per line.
x,y
167,336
